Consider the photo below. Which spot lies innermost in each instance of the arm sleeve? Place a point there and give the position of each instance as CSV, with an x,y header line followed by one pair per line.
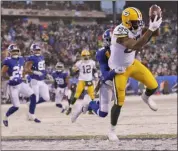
x,y
5,62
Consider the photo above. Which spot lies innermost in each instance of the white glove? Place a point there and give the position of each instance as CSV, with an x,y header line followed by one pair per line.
x,y
155,24
120,70
38,73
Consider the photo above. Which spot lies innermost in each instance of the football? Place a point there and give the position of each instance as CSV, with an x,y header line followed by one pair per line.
x,y
155,10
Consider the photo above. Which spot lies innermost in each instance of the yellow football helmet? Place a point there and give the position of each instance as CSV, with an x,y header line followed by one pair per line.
x,y
132,18
85,54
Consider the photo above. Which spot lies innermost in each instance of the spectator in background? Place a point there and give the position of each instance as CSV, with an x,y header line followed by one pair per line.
x,y
64,42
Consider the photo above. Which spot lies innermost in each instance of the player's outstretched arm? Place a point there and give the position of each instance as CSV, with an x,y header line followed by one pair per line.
x,y
138,44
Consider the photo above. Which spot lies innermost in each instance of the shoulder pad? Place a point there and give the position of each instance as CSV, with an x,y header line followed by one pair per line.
x,y
121,31
7,58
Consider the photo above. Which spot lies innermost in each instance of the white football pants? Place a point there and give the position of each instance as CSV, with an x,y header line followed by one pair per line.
x,y
59,94
14,92
40,89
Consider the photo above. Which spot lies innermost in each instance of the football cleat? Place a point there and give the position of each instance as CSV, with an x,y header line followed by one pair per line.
x,y
90,112
5,121
80,108
63,110
69,111
31,117
75,114
37,120
149,102
112,136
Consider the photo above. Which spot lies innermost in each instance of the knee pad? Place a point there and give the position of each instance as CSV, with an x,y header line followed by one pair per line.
x,y
149,92
102,114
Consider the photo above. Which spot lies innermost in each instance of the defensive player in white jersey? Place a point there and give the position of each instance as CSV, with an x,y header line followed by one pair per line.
x,y
87,69
127,38
13,66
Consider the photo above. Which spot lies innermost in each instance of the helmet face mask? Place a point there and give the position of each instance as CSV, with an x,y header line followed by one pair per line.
x,y
85,55
37,52
15,53
59,67
135,24
35,49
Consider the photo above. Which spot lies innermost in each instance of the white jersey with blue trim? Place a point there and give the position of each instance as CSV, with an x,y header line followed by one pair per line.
x,y
120,55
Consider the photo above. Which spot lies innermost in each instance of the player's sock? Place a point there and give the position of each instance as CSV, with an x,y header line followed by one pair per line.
x,y
115,112
93,105
69,100
150,92
41,100
32,104
11,111
59,105
73,100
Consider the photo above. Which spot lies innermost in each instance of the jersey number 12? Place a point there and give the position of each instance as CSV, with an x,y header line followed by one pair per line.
x,y
86,69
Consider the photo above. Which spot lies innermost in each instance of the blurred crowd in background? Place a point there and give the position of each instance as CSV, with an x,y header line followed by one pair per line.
x,y
40,5
64,42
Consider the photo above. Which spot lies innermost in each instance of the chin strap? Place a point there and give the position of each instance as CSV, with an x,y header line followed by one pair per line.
x,y
37,54
15,56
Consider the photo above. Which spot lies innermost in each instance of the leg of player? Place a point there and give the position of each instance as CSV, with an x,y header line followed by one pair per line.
x,y
119,82
68,94
79,90
59,94
91,93
142,74
34,84
14,92
27,91
100,107
44,91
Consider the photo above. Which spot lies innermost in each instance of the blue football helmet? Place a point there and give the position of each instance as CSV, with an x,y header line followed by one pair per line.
x,y
107,38
59,67
35,49
13,50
